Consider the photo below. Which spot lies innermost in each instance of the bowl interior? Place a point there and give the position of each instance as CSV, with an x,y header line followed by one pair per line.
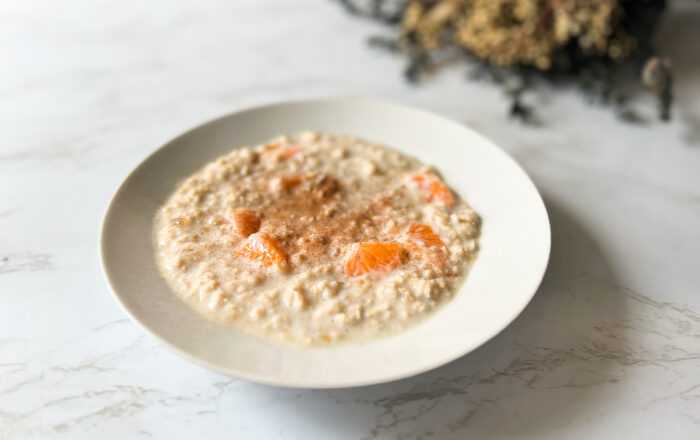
x,y
514,242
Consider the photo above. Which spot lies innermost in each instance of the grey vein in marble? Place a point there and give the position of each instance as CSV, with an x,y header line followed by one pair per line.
x,y
25,262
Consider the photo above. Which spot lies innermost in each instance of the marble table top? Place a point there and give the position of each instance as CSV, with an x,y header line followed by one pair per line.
x,y
608,348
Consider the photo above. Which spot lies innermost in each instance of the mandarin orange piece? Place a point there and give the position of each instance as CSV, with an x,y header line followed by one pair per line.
x,y
276,151
244,221
423,242
439,192
435,188
288,152
423,236
263,250
291,180
373,257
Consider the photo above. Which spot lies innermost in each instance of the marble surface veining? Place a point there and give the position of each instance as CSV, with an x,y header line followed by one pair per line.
x,y
608,348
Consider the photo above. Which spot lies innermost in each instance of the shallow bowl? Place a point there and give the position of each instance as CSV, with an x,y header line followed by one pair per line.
x,y
514,246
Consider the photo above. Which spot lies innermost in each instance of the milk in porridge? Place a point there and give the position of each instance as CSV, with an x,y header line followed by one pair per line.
x,y
315,238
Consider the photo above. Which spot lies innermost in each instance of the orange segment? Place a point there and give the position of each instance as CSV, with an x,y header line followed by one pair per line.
x,y
291,180
423,242
423,236
278,151
374,257
435,188
244,221
263,250
288,152
439,192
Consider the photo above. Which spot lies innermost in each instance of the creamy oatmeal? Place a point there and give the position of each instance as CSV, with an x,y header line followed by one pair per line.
x,y
311,239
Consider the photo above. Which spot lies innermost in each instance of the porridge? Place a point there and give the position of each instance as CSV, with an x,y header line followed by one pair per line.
x,y
315,238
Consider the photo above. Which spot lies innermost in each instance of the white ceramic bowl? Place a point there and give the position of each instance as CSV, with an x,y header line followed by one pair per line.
x,y
515,243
